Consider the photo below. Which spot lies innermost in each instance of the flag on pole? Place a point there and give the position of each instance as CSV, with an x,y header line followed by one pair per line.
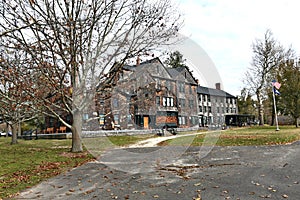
x,y
276,87
276,91
276,84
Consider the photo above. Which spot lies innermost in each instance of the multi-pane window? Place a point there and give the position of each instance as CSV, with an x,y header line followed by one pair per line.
x,y
129,119
182,120
101,119
191,103
233,110
200,109
168,101
158,100
182,102
209,109
181,87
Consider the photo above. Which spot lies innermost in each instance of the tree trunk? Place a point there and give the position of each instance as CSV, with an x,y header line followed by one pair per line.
x,y
14,137
76,132
260,110
296,122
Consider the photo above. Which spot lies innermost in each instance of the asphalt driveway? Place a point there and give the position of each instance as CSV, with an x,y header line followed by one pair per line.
x,y
207,173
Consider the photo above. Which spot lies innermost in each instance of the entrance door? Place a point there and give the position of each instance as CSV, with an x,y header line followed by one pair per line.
x,y
146,122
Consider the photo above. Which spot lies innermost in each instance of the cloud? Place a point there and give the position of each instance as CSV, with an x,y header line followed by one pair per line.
x,y
227,29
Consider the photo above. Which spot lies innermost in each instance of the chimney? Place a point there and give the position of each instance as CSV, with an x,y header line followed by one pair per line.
x,y
138,61
218,86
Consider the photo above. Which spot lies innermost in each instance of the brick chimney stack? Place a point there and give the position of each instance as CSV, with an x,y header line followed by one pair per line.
x,y
218,86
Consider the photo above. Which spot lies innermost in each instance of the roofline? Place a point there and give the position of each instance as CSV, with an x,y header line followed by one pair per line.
x,y
226,94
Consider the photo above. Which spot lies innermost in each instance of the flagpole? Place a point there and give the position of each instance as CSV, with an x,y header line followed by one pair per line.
x,y
274,101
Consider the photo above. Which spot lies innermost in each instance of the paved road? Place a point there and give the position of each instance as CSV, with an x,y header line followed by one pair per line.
x,y
265,172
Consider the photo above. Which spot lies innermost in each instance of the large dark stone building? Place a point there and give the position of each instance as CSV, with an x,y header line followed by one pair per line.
x,y
149,95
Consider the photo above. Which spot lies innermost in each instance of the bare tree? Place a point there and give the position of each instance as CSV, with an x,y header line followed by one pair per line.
x,y
268,54
72,43
15,105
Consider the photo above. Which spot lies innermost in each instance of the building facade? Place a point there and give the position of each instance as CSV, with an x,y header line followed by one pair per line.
x,y
214,104
149,95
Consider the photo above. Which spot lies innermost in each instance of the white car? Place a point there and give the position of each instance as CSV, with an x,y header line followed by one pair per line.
x,y
4,134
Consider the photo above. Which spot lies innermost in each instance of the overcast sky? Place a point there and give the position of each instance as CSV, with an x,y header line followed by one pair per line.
x,y
226,29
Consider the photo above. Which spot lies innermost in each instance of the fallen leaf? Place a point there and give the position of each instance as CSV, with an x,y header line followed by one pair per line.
x,y
285,196
156,196
89,191
266,196
197,184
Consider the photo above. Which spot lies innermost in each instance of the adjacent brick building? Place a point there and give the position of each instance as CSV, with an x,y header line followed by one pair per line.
x,y
214,105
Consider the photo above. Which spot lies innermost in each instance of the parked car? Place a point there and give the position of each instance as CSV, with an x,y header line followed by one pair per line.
x,y
4,134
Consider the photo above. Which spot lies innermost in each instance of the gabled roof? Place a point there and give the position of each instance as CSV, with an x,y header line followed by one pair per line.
x,y
213,92
173,72
178,72
151,61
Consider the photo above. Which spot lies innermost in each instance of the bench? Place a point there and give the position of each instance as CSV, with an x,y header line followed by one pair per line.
x,y
50,130
62,129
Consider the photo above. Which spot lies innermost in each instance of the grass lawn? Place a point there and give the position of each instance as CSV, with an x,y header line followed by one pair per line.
x,y
265,135
32,161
